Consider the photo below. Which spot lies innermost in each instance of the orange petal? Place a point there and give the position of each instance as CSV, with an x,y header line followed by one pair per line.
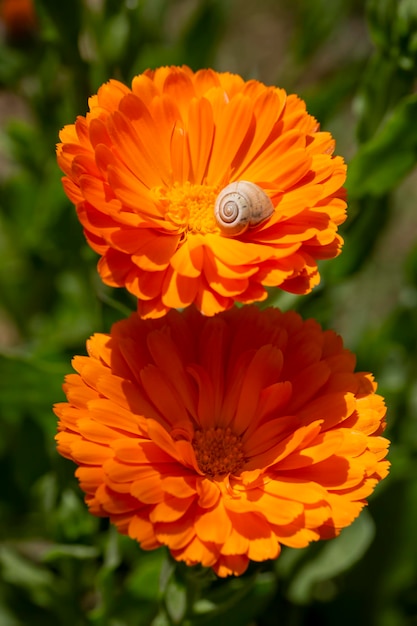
x,y
213,525
263,370
200,134
233,127
170,509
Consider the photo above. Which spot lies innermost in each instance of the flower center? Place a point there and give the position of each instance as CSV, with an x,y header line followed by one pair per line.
x,y
218,451
188,206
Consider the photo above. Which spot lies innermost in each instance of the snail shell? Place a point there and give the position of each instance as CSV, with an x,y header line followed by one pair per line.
x,y
240,205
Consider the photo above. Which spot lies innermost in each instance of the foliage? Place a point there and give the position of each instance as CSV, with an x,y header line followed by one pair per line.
x,y
58,564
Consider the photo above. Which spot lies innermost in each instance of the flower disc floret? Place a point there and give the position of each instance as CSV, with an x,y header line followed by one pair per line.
x,y
218,451
219,442
146,163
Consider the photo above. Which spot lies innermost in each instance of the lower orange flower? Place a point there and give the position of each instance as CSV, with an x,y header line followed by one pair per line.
x,y
223,437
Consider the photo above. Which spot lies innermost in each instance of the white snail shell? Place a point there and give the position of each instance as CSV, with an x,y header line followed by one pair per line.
x,y
240,205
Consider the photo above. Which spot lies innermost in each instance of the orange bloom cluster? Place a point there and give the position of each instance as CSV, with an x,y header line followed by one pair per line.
x,y
223,437
144,168
19,18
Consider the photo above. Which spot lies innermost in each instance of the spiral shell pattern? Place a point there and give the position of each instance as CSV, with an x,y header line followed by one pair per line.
x,y
241,205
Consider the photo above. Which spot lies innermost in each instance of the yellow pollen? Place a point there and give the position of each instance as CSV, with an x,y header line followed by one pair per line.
x,y
218,451
188,206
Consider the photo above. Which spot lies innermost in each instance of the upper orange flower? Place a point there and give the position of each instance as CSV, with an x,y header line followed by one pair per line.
x,y
146,164
223,437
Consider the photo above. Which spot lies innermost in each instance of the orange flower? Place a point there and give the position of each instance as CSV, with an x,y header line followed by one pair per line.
x,y
144,168
223,437
19,18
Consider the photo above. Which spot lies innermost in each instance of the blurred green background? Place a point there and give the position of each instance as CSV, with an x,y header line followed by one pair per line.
x,y
355,63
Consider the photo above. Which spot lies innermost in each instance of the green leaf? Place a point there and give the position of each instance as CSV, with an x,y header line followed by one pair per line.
x,y
383,161
72,517
316,22
144,581
114,38
203,33
392,24
167,571
6,618
74,551
66,16
161,620
362,234
236,602
176,600
383,86
20,572
326,96
336,557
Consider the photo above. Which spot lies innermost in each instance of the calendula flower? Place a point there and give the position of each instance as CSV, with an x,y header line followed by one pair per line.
x,y
223,437
19,19
146,164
